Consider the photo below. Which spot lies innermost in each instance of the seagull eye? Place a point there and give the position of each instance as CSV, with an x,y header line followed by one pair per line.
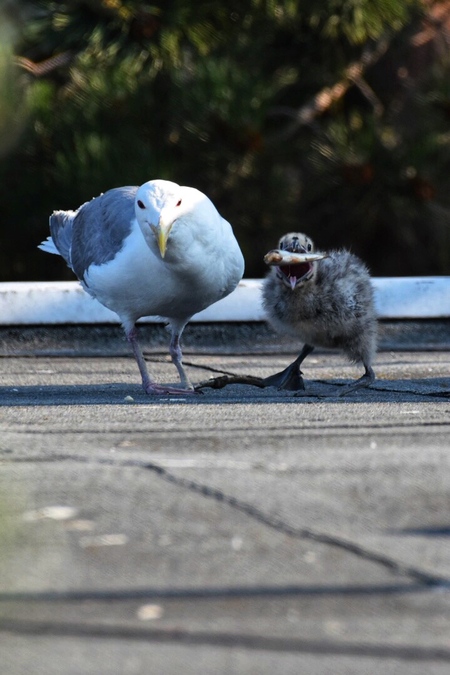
x,y
178,202
140,204
309,247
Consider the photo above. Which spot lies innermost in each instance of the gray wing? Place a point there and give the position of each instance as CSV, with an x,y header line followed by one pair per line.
x,y
100,228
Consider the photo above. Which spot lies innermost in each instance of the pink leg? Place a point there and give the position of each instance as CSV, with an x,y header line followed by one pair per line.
x,y
149,386
177,356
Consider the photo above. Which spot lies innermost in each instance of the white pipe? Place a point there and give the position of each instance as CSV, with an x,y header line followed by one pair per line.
x,y
61,302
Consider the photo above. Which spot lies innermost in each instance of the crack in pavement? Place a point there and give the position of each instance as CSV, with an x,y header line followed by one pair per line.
x,y
280,525
254,512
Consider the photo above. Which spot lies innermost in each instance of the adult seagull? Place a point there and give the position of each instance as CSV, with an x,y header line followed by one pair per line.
x,y
160,249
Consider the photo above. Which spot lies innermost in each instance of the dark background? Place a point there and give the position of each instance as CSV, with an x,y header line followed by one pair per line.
x,y
327,116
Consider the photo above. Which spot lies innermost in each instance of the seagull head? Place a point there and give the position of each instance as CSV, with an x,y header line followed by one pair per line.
x,y
296,275
158,204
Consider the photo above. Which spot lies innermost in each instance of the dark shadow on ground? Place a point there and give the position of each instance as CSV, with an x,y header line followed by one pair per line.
x,y
389,391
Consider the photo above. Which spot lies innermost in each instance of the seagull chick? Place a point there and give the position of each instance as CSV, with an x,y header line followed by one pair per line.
x,y
159,249
325,303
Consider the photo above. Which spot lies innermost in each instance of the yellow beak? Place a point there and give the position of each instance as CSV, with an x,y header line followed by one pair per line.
x,y
162,234
162,241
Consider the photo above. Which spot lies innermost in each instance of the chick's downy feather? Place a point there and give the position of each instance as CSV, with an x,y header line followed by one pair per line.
x,y
326,303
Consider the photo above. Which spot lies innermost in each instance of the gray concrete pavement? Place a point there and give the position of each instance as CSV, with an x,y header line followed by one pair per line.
x,y
238,531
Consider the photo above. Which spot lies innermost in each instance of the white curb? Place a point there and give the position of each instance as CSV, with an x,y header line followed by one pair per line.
x,y
61,302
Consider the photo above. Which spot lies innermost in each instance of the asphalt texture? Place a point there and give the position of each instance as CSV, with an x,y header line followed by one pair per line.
x,y
241,530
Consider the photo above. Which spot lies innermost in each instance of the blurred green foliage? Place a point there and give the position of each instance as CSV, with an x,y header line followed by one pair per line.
x,y
328,116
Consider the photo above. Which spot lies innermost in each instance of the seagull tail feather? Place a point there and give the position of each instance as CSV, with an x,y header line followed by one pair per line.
x,y
48,245
60,241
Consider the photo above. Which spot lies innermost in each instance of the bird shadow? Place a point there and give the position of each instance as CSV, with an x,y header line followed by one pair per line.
x,y
388,391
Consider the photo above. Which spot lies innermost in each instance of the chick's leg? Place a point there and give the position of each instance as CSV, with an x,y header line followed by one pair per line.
x,y
290,378
364,381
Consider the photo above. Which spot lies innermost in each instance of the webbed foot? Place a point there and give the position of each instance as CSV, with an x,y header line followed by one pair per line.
x,y
364,381
289,379
153,389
